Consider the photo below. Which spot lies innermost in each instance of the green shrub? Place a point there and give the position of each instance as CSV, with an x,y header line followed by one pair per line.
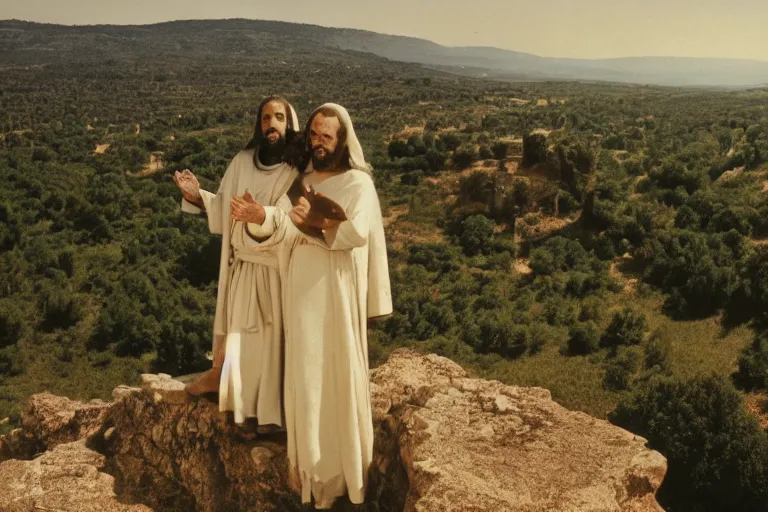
x,y
717,453
585,339
753,365
626,328
476,235
12,322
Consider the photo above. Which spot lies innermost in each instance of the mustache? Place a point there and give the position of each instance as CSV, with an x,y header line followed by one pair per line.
x,y
271,130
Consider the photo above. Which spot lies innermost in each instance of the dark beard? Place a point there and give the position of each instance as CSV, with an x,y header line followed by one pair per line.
x,y
331,161
271,154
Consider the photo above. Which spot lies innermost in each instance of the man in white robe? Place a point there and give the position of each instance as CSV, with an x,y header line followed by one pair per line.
x,y
332,286
248,332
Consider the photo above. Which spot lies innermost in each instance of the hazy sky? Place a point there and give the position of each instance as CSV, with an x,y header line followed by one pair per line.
x,y
553,28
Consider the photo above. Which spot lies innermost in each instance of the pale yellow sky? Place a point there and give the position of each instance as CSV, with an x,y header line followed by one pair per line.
x,y
552,28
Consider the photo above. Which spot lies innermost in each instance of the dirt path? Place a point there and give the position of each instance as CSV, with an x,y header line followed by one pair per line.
x,y
522,266
101,149
155,164
394,213
629,283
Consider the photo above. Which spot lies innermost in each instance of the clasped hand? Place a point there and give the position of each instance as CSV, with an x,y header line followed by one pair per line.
x,y
246,209
303,216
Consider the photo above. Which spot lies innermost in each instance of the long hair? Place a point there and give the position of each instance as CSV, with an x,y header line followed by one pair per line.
x,y
296,154
258,137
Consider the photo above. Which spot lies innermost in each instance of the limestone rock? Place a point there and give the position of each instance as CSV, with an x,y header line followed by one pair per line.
x,y
472,445
444,442
165,388
52,420
19,444
68,478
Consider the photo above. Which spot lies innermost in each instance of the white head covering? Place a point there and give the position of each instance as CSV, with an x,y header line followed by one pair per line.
x,y
294,117
356,157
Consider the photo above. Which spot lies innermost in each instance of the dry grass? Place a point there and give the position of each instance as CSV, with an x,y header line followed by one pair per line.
x,y
698,347
522,266
575,382
617,272
729,175
408,131
757,405
394,213
101,149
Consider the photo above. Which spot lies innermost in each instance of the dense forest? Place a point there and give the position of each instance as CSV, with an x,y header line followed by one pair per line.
x,y
609,243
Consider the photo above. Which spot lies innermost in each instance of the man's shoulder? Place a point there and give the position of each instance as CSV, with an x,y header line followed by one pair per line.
x,y
359,176
360,179
244,156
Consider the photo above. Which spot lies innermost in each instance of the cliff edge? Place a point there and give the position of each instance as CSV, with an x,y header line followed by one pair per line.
x,y
444,442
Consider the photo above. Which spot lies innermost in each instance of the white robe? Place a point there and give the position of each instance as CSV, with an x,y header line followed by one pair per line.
x,y
248,313
330,288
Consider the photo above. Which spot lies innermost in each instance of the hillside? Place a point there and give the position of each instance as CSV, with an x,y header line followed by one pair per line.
x,y
31,42
604,242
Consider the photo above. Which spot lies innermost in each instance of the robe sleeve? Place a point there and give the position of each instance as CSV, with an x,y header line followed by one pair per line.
x,y
277,227
354,231
365,227
379,288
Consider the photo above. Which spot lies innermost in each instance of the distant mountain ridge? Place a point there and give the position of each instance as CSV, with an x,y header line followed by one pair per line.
x,y
467,60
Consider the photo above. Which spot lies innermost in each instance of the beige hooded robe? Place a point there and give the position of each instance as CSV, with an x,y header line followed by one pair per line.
x,y
330,289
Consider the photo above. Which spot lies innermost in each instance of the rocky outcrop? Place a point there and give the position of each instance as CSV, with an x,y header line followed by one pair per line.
x,y
471,445
444,442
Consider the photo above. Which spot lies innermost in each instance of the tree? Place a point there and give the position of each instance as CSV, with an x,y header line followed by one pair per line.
x,y
753,365
476,235
500,150
435,160
12,322
559,254
534,149
585,339
475,188
626,328
656,354
717,453
464,156
498,334
620,370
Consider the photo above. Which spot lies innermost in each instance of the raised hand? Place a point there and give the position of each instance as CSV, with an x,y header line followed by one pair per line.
x,y
246,209
189,186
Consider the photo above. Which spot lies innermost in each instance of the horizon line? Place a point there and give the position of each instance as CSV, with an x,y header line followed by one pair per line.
x,y
625,57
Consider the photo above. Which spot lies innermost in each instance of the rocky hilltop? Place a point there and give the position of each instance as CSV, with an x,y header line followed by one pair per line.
x,y
444,442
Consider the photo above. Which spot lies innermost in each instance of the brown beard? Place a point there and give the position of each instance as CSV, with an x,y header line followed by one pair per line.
x,y
336,160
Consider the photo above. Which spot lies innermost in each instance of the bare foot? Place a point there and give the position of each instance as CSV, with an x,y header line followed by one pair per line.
x,y
206,383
